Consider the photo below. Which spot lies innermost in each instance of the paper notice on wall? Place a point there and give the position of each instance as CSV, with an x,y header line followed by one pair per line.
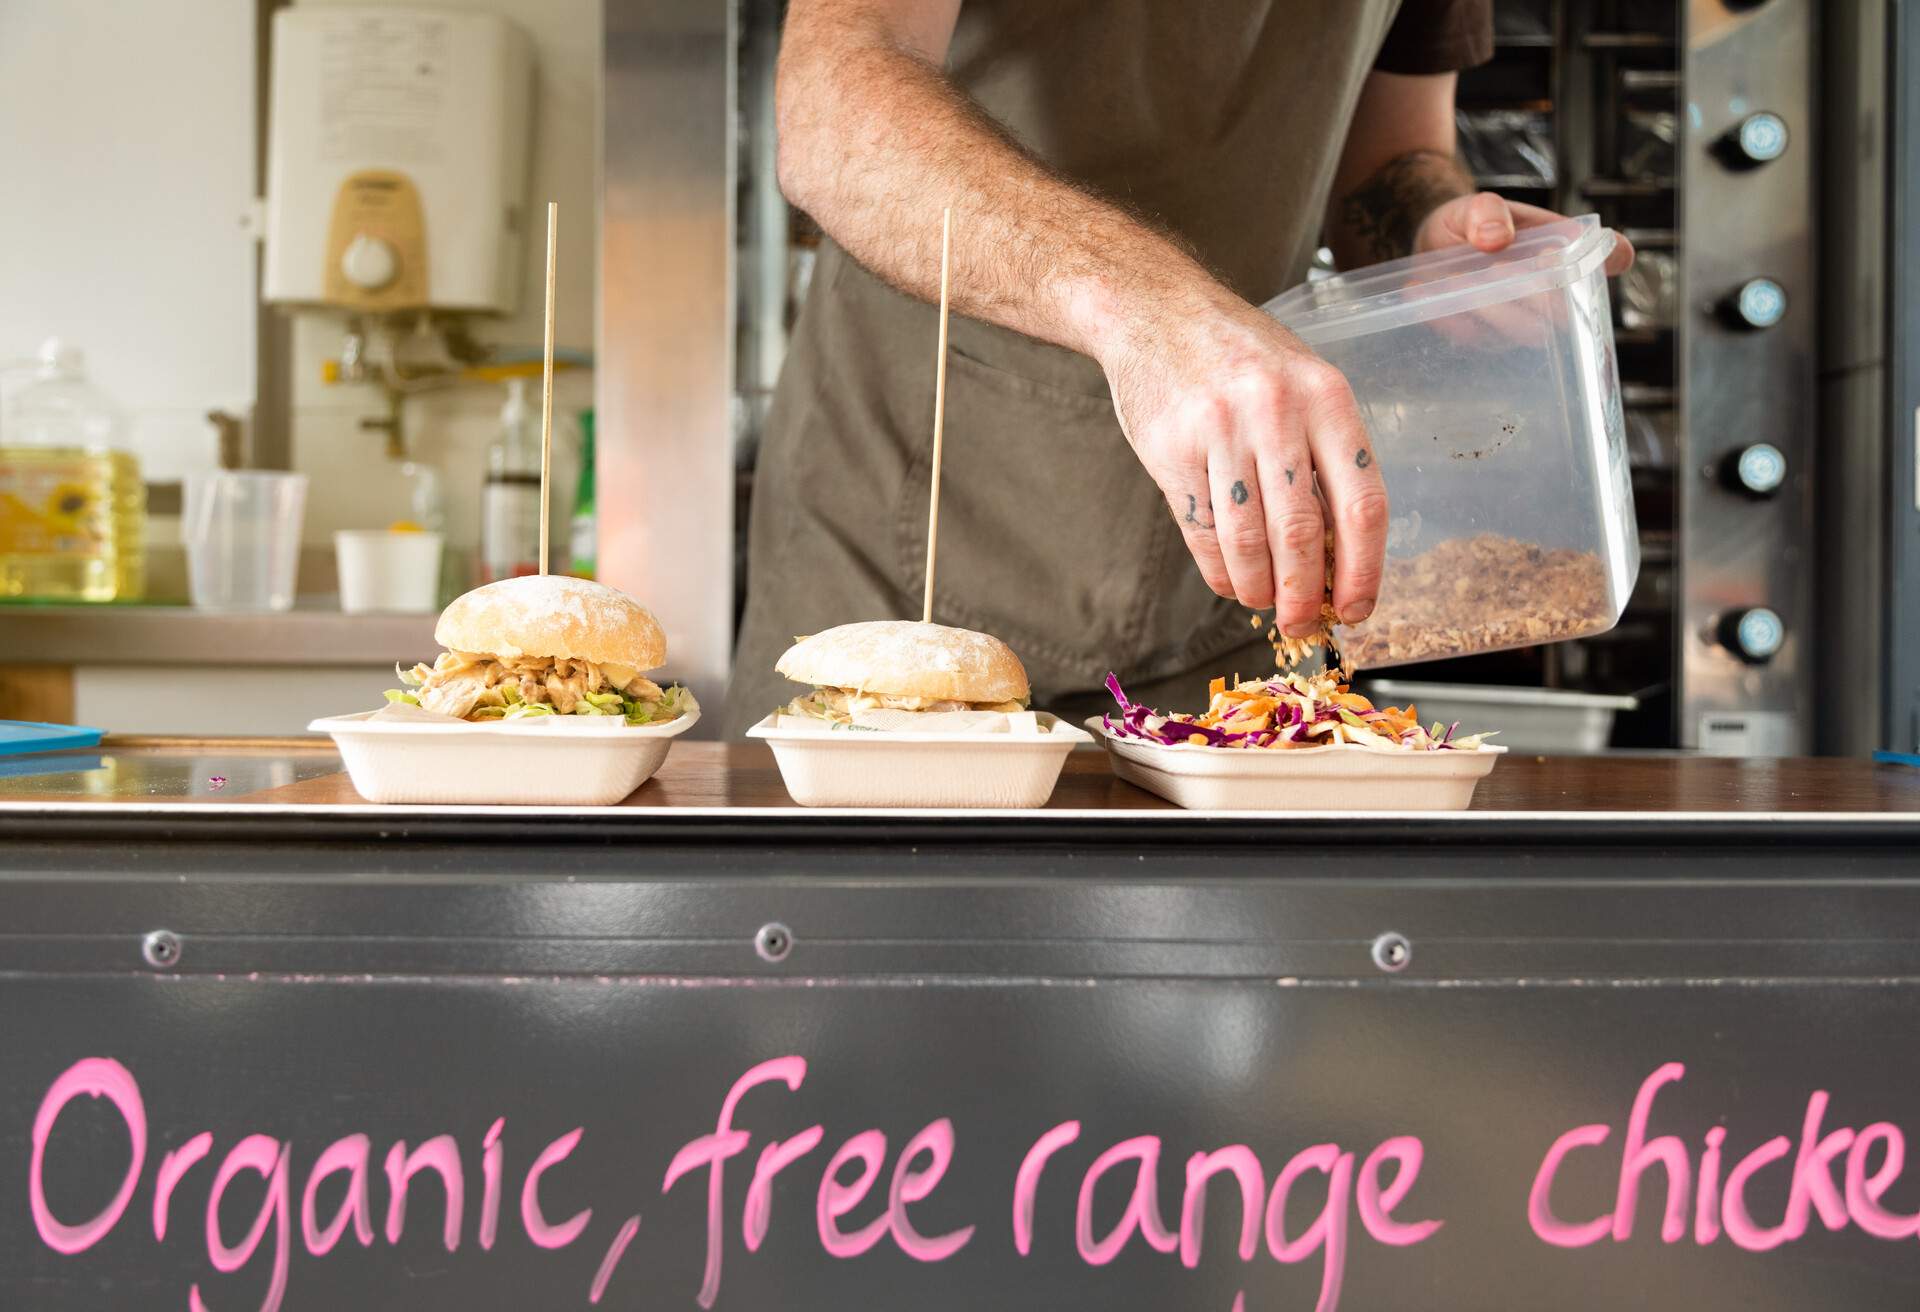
x,y
384,82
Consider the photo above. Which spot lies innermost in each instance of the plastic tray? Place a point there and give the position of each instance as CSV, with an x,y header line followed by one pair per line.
x,y
1529,719
1338,777
855,768
553,761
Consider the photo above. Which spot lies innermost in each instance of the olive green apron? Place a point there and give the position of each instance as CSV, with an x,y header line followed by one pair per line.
x,y
1220,119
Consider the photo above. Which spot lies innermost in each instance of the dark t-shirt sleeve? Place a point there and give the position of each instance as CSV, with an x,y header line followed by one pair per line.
x,y
1438,36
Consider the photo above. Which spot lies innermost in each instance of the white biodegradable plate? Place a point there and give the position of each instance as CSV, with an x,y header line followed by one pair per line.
x,y
1337,777
858,768
562,760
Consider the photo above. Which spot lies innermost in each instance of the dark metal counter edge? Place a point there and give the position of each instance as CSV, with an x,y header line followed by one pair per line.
x,y
802,830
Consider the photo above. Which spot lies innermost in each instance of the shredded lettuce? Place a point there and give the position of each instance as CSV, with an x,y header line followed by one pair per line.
x,y
672,704
600,703
506,701
406,676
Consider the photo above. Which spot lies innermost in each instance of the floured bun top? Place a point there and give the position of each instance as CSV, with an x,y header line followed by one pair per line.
x,y
904,658
552,615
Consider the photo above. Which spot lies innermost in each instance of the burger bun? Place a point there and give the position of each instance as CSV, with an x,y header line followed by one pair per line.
x,y
904,658
553,616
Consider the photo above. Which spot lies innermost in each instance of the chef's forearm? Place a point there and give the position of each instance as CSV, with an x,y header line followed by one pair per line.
x,y
1378,218
874,140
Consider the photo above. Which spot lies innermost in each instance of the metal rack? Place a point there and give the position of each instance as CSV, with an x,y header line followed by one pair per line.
x,y
1643,105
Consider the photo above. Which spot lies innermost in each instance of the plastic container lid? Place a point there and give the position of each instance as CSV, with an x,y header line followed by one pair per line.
x,y
17,736
1418,288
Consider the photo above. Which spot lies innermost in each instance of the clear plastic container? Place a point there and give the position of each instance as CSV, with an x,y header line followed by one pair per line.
x,y
1490,390
1552,721
242,530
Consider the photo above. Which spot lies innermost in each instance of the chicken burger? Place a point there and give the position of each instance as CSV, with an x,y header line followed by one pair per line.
x,y
545,644
902,665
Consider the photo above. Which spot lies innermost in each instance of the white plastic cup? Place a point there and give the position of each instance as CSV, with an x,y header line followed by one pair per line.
x,y
242,533
384,570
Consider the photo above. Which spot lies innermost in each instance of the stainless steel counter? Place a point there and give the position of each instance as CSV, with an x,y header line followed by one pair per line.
x,y
180,635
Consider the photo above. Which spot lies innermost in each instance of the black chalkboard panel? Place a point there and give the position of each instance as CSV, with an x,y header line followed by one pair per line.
x,y
1185,1071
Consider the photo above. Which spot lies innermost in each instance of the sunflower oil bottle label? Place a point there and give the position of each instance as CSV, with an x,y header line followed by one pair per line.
x,y
54,507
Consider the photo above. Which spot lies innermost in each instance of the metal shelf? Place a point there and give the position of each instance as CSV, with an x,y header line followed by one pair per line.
x,y
1652,239
1621,187
1649,79
1627,41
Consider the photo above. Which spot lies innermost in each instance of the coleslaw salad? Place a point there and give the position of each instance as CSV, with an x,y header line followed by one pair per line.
x,y
1287,711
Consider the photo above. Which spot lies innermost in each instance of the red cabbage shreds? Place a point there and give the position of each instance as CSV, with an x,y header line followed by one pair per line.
x,y
1133,717
1174,732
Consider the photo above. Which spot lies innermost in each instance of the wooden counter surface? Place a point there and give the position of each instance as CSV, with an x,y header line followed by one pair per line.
x,y
709,775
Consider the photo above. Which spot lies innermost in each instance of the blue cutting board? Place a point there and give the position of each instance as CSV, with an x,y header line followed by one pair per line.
x,y
18,736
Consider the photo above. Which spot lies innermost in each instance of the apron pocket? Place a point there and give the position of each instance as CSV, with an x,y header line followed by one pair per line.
x,y
1052,537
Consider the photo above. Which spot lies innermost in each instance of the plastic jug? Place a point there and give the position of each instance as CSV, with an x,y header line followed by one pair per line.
x,y
72,505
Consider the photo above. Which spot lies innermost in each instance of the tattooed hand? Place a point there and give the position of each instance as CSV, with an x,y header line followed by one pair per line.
x,y
1238,421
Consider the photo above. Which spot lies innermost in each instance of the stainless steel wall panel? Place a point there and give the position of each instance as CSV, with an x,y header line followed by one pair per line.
x,y
665,379
1744,385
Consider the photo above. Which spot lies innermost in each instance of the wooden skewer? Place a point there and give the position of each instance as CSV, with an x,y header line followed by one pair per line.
x,y
939,410
546,384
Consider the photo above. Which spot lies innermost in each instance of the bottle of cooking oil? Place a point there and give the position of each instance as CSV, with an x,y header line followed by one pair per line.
x,y
72,507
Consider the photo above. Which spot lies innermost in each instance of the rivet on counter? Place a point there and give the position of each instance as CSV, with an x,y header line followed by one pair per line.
x,y
161,948
1392,952
773,942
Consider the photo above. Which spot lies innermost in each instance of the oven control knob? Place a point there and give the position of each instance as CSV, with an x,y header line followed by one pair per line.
x,y
1756,139
1756,470
1754,635
1756,303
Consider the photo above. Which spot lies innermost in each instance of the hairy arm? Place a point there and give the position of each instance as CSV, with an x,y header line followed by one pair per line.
x,y
1228,412
874,140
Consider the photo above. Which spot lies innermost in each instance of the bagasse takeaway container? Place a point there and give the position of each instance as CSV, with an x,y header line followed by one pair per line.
x,y
1336,777
1549,720
1491,395
560,760
858,768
